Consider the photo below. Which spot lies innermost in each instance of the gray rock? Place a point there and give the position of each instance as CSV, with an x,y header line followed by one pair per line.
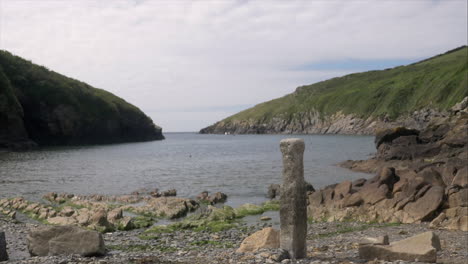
x,y
293,209
421,248
3,251
65,240
381,240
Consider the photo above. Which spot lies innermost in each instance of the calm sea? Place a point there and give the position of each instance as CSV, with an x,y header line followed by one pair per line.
x,y
242,166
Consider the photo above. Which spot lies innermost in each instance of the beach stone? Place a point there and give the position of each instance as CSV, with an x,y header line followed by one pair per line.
x,y
424,207
381,240
171,192
115,215
293,208
265,238
461,178
459,199
61,220
342,189
420,248
3,250
65,240
274,191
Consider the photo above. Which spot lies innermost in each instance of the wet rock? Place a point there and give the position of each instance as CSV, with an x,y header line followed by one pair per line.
x,y
3,250
115,215
265,238
65,240
422,248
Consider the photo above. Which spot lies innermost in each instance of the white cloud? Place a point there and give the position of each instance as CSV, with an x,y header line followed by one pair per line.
x,y
191,54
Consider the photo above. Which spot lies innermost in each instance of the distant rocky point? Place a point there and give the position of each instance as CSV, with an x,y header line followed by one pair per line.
x,y
41,107
361,103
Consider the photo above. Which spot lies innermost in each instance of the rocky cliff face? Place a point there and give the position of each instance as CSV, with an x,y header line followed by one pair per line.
x,y
41,107
315,123
422,177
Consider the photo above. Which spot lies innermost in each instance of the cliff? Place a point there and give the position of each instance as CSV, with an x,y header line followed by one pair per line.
x,y
361,103
42,107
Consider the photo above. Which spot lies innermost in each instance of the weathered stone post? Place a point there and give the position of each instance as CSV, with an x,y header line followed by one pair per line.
x,y
3,252
293,210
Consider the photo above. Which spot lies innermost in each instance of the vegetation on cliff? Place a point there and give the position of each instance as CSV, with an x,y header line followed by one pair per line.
x,y
42,106
437,83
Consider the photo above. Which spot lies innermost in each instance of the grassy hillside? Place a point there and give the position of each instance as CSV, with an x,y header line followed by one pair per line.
x,y
58,110
438,82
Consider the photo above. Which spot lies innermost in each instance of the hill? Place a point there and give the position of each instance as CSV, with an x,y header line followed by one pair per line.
x,y
361,103
39,106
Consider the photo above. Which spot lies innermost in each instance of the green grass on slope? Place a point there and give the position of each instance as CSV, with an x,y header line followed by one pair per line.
x,y
438,82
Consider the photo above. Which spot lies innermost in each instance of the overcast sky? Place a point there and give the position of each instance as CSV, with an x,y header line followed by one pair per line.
x,y
188,64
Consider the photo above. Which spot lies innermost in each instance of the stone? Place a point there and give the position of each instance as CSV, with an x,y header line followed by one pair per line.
x,y
273,191
388,135
61,220
342,189
381,240
265,218
217,197
65,240
265,238
458,223
67,211
459,199
374,192
3,250
171,192
115,215
354,199
461,178
424,208
293,205
315,199
422,248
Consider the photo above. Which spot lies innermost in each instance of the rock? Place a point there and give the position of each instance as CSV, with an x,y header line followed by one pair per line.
x,y
171,192
432,177
273,191
459,199
67,211
3,250
115,215
354,199
421,248
459,223
374,192
61,220
265,238
461,178
381,240
424,208
293,208
315,199
438,220
172,207
388,135
99,218
218,197
265,218
65,240
342,189
203,196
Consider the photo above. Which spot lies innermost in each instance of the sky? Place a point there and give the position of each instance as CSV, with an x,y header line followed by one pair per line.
x,y
188,64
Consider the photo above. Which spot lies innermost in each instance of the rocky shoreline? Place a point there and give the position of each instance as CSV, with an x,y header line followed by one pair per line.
x,y
327,242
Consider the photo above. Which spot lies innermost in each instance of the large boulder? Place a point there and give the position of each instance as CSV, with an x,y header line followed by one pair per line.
x,y
3,251
422,247
423,209
388,135
265,238
65,240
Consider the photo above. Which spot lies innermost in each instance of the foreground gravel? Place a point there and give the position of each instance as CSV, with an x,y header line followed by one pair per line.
x,y
333,242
